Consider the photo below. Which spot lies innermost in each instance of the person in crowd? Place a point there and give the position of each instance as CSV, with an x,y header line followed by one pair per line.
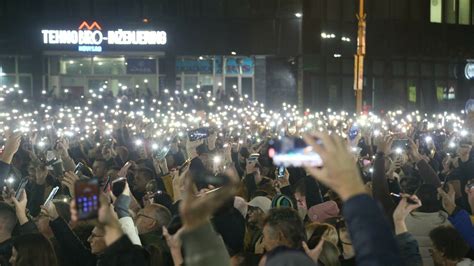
x,y
449,248
32,249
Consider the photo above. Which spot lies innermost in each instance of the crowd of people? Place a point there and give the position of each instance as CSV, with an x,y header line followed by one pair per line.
x,y
393,189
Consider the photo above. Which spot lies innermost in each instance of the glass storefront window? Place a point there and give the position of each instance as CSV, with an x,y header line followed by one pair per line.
x,y
25,64
242,66
190,82
25,84
109,66
247,84
7,80
206,82
194,66
7,65
76,66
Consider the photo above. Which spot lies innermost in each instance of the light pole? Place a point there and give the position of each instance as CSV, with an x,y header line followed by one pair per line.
x,y
359,57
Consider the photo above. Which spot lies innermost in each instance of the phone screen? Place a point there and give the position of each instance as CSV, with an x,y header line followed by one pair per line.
x,y
22,186
400,143
87,198
293,152
281,171
51,195
197,134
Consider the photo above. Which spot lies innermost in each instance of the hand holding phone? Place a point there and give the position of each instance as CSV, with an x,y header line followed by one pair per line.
x,y
118,186
51,195
87,198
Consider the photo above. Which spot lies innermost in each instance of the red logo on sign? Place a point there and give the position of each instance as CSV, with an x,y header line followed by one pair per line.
x,y
86,25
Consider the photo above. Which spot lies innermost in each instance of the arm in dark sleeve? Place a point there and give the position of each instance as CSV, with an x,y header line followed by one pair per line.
x,y
28,228
70,243
427,173
4,169
380,189
370,232
409,249
250,184
462,222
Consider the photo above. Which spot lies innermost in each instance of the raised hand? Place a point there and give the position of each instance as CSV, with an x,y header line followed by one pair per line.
x,y
338,171
20,207
196,211
448,199
403,209
69,180
11,147
315,252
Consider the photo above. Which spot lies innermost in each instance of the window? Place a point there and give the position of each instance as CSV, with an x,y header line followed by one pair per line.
x,y
109,66
449,11
76,66
25,65
7,65
464,12
398,68
412,93
436,11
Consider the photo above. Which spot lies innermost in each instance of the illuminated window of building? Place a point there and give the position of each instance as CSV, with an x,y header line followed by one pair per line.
x,y
464,12
412,94
436,11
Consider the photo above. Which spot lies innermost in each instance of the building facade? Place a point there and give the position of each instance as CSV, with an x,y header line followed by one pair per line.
x,y
79,46
418,54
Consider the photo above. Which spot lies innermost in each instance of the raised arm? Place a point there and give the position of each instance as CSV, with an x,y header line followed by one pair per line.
x,y
370,232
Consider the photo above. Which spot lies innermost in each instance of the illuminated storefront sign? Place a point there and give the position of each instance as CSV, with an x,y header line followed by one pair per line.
x,y
91,37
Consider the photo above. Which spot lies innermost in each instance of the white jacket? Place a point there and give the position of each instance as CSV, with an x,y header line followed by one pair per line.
x,y
128,228
420,224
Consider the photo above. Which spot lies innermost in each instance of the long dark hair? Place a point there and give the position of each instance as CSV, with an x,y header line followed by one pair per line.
x,y
34,249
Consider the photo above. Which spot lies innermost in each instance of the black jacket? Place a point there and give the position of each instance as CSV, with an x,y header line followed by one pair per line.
x,y
71,246
123,253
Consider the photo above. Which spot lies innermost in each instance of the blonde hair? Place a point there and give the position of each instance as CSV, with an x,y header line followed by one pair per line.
x,y
323,231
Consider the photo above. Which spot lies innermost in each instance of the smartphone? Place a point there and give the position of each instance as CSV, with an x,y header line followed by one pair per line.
x,y
58,168
281,171
197,134
106,184
410,201
21,187
118,185
293,152
51,195
87,198
78,168
400,143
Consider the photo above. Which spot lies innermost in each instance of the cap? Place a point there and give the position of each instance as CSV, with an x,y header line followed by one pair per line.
x,y
264,203
323,211
281,200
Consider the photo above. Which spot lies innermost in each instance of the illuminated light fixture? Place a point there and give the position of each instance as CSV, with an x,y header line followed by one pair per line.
x,y
71,62
337,55
233,53
201,58
345,39
145,20
298,15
